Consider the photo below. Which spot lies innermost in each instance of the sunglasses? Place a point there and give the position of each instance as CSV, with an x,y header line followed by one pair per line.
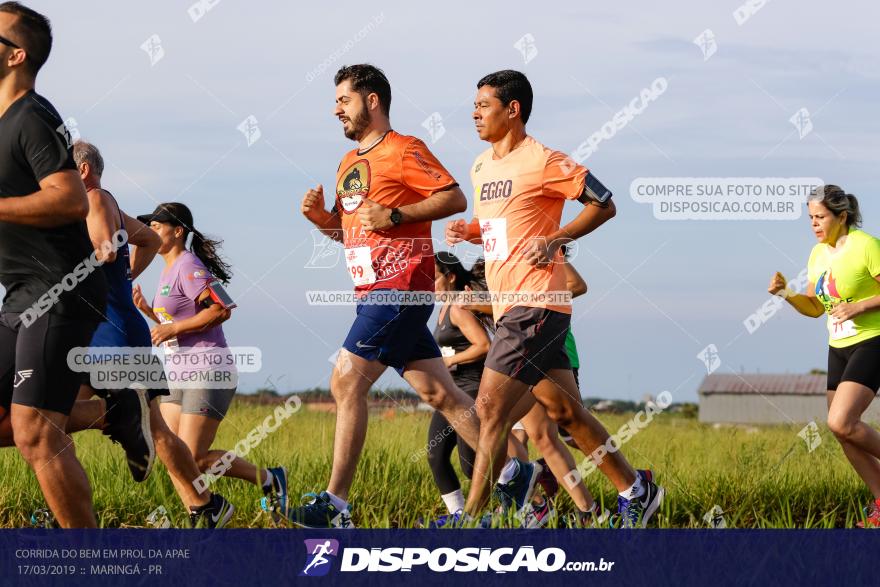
x,y
8,43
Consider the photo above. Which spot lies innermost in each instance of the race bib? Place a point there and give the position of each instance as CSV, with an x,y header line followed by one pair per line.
x,y
840,330
360,265
494,234
170,345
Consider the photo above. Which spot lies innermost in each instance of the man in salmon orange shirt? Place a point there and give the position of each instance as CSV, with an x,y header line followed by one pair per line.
x,y
520,187
388,191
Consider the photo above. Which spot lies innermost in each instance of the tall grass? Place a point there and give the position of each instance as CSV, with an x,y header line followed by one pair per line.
x,y
759,477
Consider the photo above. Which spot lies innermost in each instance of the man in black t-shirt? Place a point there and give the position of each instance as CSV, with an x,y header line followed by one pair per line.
x,y
55,292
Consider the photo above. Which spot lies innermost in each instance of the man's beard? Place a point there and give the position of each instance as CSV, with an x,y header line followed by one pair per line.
x,y
359,124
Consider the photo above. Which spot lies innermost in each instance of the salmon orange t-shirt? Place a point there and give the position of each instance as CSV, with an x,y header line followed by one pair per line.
x,y
516,199
398,171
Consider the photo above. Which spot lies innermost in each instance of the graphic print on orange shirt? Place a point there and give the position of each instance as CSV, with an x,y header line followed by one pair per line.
x,y
398,171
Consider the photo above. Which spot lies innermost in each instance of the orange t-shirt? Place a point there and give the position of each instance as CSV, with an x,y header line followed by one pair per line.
x,y
398,171
516,199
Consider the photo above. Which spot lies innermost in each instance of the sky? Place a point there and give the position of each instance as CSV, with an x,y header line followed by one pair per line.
x,y
661,291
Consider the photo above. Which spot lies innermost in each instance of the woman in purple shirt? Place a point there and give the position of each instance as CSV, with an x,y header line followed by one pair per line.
x,y
201,374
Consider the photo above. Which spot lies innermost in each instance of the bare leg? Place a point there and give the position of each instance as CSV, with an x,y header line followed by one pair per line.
x,y
430,378
545,434
350,383
41,439
198,433
860,442
560,397
178,459
499,395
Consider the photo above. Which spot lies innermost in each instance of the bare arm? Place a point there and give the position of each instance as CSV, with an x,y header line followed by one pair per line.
x,y
440,205
573,280
102,222
312,207
473,331
61,200
146,244
211,316
590,218
807,304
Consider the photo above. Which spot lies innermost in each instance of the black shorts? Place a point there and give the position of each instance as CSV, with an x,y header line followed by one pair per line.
x,y
33,360
859,363
528,343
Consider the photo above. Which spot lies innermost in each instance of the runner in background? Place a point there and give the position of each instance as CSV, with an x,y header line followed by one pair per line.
x,y
188,314
844,282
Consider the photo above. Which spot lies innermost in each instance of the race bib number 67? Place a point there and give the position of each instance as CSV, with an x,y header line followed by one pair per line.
x,y
494,234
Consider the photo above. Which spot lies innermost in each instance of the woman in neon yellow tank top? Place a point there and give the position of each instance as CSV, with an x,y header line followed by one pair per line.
x,y
844,282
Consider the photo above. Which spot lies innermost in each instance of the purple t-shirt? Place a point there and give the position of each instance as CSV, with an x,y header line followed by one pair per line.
x,y
200,351
179,287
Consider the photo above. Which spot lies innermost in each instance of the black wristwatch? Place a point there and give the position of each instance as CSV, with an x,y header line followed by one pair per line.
x,y
396,216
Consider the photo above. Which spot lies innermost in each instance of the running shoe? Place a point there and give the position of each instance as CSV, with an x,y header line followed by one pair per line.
x,y
547,480
321,513
44,518
455,520
583,520
517,493
127,422
872,516
275,500
537,516
636,512
214,514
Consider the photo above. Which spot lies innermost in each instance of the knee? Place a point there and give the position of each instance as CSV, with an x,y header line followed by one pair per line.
x,y
204,462
489,416
563,415
35,447
842,425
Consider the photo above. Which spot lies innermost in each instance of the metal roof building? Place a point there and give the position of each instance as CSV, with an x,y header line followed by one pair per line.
x,y
767,399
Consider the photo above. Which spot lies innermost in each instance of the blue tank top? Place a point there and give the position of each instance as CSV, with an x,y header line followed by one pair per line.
x,y
123,325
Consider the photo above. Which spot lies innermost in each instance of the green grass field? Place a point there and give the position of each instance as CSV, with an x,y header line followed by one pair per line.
x,y
761,478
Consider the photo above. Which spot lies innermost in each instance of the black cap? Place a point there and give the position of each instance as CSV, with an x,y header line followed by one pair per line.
x,y
173,213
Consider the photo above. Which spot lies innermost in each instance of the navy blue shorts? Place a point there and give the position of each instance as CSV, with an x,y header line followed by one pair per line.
x,y
391,334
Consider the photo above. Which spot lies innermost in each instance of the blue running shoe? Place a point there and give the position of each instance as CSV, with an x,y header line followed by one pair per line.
x,y
636,512
275,500
320,513
448,521
517,493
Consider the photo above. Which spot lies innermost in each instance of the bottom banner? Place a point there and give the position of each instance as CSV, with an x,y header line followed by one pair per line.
x,y
435,557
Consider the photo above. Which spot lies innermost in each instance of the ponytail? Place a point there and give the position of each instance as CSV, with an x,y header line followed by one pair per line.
x,y
838,201
207,250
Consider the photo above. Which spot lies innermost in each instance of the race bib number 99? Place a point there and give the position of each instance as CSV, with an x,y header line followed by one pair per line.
x,y
360,265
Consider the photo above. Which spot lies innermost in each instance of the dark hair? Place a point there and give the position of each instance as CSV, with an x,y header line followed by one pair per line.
x,y
511,85
35,32
366,79
838,201
478,275
449,264
206,249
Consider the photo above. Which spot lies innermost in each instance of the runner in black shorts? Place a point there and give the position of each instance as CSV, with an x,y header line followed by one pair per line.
x,y
463,343
54,295
844,282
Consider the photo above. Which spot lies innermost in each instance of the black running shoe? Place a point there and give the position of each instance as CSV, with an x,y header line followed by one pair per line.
x,y
127,421
214,514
